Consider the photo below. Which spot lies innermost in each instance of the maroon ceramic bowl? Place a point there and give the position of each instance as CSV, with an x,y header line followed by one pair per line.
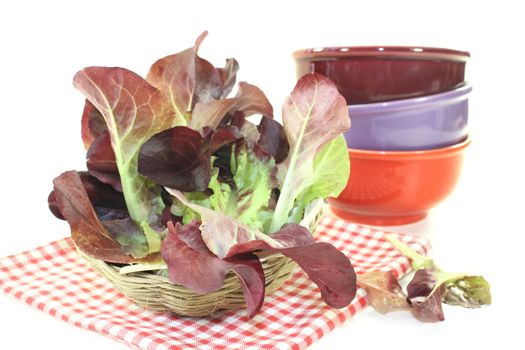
x,y
384,73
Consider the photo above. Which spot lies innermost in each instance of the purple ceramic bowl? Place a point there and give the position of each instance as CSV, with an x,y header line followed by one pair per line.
x,y
420,123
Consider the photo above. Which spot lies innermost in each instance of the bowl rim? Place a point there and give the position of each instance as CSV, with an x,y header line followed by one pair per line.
x,y
447,97
410,155
387,51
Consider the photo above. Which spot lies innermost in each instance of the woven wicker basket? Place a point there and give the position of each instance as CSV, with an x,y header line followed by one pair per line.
x,y
155,292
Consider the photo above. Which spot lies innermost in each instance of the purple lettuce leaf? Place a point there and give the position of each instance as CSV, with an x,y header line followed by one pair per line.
x,y
425,297
133,111
251,100
223,136
326,266
88,233
272,139
228,76
246,128
192,265
107,203
101,162
210,113
383,291
186,79
177,158
93,124
313,115
248,101
180,157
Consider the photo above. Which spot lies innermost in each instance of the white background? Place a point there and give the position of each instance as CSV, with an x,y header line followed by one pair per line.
x,y
478,229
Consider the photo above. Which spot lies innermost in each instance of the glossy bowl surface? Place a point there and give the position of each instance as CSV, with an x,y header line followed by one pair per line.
x,y
420,123
368,74
397,188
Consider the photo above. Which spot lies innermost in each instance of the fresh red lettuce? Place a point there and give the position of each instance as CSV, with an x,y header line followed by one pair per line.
x,y
88,233
133,111
107,203
192,265
230,183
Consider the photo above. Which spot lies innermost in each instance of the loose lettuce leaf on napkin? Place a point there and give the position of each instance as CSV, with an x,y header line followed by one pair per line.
x,y
383,291
431,286
424,296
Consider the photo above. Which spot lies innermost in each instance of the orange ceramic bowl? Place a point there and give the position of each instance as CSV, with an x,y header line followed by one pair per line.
x,y
397,188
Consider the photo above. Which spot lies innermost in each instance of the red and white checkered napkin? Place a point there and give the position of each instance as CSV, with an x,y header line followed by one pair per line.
x,y
54,279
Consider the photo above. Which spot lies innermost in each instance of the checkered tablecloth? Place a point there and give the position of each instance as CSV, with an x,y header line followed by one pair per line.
x,y
55,280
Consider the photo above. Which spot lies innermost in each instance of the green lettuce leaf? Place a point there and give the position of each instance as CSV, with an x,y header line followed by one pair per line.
x,y
221,192
468,291
313,115
219,231
331,171
254,178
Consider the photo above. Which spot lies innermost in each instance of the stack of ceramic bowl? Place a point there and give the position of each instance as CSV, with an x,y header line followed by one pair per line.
x,y
409,111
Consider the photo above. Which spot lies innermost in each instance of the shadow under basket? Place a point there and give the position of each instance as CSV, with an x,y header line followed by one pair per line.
x,y
157,293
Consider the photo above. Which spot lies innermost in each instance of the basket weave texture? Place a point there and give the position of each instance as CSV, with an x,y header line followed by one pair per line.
x,y
157,293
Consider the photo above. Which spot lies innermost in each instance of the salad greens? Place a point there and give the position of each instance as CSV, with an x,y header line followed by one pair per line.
x,y
431,286
179,179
